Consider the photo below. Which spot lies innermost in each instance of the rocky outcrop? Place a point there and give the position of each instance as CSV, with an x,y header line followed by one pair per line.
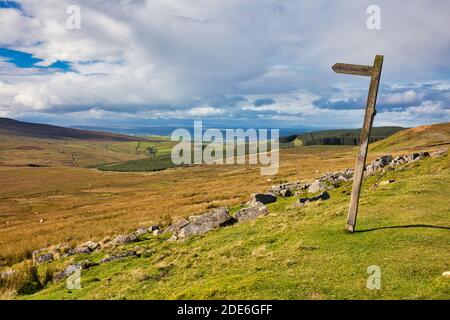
x,y
264,198
42,256
144,230
78,250
176,227
251,213
123,239
285,188
205,223
286,193
317,185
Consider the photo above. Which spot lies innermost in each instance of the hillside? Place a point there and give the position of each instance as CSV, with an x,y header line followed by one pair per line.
x,y
293,253
39,145
338,137
431,136
10,127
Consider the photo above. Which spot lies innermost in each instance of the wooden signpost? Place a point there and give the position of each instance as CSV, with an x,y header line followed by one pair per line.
x,y
375,74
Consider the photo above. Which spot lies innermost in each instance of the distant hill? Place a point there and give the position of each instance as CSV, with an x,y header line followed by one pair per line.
x,y
338,137
436,135
36,130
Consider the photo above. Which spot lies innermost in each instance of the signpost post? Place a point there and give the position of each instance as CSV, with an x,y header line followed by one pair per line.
x,y
375,74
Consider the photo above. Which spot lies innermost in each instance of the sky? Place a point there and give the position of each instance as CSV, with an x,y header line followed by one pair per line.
x,y
234,63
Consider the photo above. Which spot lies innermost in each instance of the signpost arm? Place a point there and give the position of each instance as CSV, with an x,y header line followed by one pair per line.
x,y
364,142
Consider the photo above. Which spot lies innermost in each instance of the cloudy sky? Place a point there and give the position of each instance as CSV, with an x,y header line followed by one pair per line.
x,y
232,63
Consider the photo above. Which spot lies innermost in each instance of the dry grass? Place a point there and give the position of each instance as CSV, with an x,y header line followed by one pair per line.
x,y
77,204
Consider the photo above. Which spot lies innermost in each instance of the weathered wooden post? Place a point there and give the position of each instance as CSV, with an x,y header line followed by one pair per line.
x,y
375,74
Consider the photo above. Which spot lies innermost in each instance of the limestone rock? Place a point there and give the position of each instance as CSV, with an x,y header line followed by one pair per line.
x,y
43,258
78,250
123,239
175,228
316,186
251,213
144,230
286,193
264,198
205,223
91,245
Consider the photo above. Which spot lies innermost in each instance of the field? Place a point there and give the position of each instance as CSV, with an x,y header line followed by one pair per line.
x,y
297,253
339,137
292,253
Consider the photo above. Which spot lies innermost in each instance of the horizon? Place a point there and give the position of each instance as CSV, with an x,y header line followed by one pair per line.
x,y
233,64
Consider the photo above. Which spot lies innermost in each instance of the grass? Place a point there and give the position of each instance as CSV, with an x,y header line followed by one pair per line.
x,y
301,253
339,137
79,204
84,204
437,135
156,163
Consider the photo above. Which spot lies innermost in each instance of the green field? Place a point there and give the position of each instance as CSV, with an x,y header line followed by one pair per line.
x,y
297,253
338,137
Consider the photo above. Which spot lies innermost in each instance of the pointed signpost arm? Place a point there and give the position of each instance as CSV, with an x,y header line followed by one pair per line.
x,y
364,142
375,74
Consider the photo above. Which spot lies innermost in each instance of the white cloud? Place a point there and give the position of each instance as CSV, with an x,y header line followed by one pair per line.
x,y
169,58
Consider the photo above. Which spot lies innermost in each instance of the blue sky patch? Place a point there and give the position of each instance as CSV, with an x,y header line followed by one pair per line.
x,y
26,60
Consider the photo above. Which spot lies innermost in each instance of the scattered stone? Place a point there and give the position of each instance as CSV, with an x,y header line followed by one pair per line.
x,y
43,258
175,228
386,182
286,193
123,239
91,245
264,198
144,230
172,238
317,185
78,250
446,274
251,213
205,223
131,253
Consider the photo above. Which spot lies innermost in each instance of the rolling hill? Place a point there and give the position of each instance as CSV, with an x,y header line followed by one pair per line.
x,y
338,137
11,127
430,136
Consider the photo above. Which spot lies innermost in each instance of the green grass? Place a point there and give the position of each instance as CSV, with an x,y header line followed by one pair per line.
x,y
338,137
156,163
298,253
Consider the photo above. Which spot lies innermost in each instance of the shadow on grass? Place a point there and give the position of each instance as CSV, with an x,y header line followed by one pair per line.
x,y
404,227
